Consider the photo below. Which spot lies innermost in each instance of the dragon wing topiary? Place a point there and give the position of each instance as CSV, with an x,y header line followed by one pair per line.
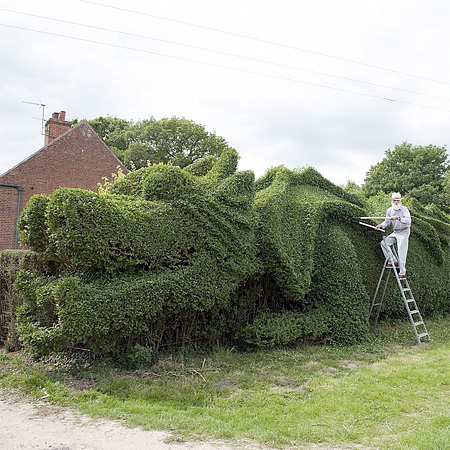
x,y
309,256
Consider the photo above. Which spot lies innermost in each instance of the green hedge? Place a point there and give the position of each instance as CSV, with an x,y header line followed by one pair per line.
x,y
317,265
279,329
309,260
170,256
103,233
179,245
11,263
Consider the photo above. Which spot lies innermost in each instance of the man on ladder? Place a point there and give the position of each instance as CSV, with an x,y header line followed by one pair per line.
x,y
399,217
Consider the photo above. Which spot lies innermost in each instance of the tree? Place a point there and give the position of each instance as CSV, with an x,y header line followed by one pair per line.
x,y
113,131
446,185
177,141
352,188
415,171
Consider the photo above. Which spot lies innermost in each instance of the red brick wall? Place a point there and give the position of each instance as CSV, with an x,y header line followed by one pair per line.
x,y
9,197
78,158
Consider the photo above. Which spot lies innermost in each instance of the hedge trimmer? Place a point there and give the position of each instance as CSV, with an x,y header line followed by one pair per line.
x,y
358,221
370,217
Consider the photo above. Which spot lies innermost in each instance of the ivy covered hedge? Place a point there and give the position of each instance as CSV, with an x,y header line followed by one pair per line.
x,y
170,256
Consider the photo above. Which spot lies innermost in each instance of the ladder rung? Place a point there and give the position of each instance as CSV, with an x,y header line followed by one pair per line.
x,y
416,324
415,311
406,289
409,300
421,335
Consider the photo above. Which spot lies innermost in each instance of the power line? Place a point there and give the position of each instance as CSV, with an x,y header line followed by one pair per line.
x,y
265,41
222,66
286,66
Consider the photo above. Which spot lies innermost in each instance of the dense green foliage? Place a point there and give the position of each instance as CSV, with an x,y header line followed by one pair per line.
x,y
415,171
310,263
11,262
169,256
177,141
151,262
446,187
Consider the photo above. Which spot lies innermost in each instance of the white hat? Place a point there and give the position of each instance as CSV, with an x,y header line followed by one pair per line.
x,y
396,196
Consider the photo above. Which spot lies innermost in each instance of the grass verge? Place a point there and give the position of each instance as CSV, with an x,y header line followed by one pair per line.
x,y
386,393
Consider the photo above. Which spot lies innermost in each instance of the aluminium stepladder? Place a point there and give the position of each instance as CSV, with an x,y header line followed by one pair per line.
x,y
415,318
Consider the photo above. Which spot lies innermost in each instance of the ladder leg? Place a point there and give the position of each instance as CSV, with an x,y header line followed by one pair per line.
x,y
414,316
378,297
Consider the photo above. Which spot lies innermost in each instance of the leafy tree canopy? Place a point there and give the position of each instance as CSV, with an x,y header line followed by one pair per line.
x,y
177,141
113,131
416,171
447,186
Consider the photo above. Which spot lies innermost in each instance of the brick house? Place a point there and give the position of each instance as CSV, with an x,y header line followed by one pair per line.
x,y
71,157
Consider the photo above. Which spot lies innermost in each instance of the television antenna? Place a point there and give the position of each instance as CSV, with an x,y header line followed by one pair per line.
x,y
42,119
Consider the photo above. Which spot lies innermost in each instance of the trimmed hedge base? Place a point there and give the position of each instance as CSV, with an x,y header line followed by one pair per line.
x,y
205,254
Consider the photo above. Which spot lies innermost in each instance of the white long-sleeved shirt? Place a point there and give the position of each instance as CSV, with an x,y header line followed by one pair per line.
x,y
401,224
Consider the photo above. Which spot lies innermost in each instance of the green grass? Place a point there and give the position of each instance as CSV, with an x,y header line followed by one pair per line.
x,y
386,393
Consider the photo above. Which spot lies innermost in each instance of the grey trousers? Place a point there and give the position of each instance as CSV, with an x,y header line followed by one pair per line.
x,y
402,238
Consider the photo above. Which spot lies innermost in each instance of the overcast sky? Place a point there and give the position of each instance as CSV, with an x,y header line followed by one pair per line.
x,y
330,84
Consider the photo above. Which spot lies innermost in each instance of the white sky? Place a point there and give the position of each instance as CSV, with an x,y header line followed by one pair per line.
x,y
282,97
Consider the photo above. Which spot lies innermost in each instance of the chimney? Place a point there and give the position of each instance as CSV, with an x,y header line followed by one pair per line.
x,y
56,126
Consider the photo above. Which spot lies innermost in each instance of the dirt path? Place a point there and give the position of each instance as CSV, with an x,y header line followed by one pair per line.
x,y
26,426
